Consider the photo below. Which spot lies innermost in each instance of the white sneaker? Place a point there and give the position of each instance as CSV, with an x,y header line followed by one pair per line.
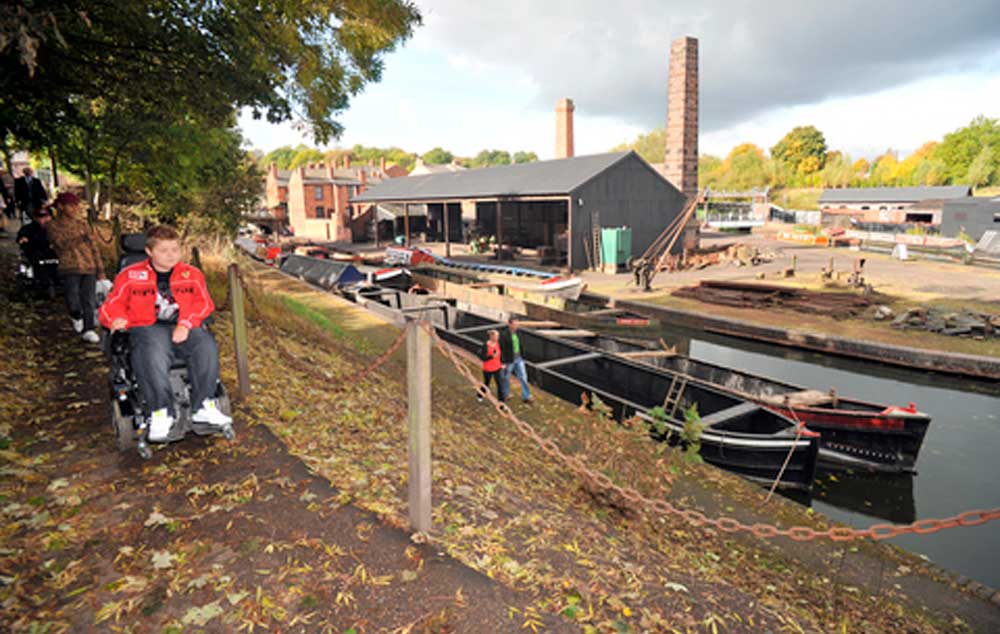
x,y
211,414
78,325
91,337
160,422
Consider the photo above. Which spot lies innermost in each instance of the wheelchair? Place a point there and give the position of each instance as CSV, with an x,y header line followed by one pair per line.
x,y
129,412
36,276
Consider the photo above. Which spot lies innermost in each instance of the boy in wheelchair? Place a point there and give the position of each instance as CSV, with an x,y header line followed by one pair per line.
x,y
162,304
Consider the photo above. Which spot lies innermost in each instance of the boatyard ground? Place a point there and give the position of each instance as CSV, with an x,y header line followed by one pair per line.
x,y
907,284
214,535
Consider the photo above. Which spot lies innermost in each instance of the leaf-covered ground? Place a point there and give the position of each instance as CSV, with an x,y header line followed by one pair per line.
x,y
223,537
504,508
207,536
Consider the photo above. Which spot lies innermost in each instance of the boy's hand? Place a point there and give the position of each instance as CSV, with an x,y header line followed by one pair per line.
x,y
180,334
119,324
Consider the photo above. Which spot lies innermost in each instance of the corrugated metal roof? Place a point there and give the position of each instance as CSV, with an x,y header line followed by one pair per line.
x,y
557,177
893,194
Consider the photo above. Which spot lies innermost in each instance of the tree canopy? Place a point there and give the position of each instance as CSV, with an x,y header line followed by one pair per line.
x,y
98,84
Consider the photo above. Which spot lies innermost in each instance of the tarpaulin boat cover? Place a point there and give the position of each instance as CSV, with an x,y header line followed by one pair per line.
x,y
327,274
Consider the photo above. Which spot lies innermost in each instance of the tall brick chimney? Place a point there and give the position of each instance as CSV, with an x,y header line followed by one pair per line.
x,y
680,165
347,161
381,164
331,167
564,128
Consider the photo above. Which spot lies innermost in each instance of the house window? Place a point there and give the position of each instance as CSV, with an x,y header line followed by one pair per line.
x,y
864,207
319,192
320,212
899,207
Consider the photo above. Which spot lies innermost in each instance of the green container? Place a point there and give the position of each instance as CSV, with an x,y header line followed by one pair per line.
x,y
616,245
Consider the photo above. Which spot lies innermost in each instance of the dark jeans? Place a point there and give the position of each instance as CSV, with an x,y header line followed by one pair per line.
x,y
495,377
153,352
81,299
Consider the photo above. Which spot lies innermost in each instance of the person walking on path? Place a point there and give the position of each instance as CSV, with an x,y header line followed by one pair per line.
x,y
30,194
510,356
492,366
80,263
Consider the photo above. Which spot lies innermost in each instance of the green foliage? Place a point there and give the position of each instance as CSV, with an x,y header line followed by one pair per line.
x,y
651,146
305,156
691,434
125,93
803,150
658,422
525,157
486,158
961,147
983,169
437,156
744,168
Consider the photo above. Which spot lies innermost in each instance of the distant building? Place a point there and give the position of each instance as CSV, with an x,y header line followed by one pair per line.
x,y
422,168
974,216
313,199
555,204
892,205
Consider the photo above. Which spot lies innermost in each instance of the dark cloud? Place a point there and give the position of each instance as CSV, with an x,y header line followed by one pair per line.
x,y
611,58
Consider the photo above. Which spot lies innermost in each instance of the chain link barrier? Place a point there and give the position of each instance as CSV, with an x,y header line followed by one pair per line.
x,y
724,524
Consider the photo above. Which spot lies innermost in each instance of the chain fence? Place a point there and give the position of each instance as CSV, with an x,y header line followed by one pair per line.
x,y
599,481
724,524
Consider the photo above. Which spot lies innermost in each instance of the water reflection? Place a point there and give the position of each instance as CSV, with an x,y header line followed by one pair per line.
x,y
956,470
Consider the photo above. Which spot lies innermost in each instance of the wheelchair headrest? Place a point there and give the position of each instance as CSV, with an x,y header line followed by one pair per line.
x,y
134,243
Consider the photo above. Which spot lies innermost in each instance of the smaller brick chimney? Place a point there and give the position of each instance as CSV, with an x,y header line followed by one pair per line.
x,y
331,170
381,164
273,169
347,161
564,128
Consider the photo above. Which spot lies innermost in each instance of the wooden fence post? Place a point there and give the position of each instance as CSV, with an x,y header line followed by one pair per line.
x,y
418,383
240,343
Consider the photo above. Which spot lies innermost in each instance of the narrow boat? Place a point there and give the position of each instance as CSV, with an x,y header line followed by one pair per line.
x,y
855,434
737,435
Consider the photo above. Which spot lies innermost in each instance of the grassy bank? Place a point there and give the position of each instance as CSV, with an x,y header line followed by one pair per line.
x,y
503,507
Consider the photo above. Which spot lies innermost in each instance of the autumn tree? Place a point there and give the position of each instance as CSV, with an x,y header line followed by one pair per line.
x,y
803,149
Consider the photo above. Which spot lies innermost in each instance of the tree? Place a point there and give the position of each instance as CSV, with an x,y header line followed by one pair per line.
x,y
525,157
486,158
306,155
709,170
281,157
437,156
651,146
803,149
744,168
884,169
983,169
960,148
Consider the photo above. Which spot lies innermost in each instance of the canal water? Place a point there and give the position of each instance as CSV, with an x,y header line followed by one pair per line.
x,y
958,468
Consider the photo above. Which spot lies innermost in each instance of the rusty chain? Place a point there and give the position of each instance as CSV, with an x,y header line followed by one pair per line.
x,y
724,524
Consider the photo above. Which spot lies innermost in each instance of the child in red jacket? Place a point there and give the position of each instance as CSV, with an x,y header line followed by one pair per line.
x,y
490,354
162,302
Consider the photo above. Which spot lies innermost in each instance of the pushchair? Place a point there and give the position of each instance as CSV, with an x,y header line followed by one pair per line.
x,y
37,271
129,412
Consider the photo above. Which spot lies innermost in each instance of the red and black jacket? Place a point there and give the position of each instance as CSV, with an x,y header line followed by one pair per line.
x,y
133,297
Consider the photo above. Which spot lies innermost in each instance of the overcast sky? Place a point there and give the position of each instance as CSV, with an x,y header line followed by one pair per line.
x,y
487,74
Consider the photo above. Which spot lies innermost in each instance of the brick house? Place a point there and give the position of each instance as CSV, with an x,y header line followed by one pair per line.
x,y
892,205
313,199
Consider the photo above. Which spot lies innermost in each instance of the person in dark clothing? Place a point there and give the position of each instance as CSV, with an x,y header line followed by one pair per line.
x,y
510,356
29,193
33,240
492,366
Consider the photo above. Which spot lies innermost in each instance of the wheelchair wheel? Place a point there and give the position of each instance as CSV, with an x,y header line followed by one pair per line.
x,y
124,432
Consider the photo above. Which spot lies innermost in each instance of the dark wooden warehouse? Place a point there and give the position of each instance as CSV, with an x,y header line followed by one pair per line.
x,y
537,202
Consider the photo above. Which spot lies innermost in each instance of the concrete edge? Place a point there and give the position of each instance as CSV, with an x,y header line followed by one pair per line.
x,y
981,367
